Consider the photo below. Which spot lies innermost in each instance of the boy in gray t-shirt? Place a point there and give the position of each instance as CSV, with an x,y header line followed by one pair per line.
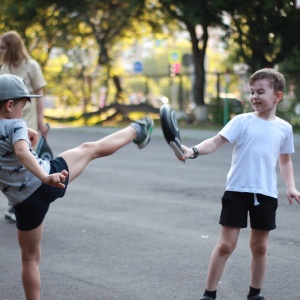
x,y
31,184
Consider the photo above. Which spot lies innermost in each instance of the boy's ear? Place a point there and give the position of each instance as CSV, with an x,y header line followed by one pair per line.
x,y
279,96
9,105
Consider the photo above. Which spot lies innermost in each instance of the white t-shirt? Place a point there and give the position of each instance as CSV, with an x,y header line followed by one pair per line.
x,y
257,146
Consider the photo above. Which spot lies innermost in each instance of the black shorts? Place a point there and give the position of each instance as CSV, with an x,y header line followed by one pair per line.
x,y
236,205
31,212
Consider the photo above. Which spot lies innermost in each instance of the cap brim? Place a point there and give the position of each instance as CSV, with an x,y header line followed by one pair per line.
x,y
34,96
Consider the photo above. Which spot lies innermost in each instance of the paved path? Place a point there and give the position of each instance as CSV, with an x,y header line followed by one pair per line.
x,y
140,225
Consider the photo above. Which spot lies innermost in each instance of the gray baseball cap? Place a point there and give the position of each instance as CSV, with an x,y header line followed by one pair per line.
x,y
14,87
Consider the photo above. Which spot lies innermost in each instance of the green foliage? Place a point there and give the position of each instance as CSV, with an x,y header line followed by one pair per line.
x,y
262,33
197,17
108,21
78,42
216,109
291,63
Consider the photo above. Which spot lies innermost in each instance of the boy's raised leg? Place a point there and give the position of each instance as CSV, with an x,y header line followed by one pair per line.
x,y
78,158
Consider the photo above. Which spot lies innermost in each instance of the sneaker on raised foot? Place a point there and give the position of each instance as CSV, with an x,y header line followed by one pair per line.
x,y
256,297
143,128
10,215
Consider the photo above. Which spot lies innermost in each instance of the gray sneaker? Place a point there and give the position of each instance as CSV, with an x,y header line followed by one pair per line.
x,y
144,129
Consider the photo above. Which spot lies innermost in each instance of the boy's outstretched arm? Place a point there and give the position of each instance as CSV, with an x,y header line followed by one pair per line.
x,y
287,172
206,147
31,164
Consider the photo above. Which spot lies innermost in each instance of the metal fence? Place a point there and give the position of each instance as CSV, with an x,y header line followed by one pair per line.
x,y
220,87
226,94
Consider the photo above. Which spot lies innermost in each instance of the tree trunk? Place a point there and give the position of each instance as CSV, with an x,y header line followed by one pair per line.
x,y
118,86
199,46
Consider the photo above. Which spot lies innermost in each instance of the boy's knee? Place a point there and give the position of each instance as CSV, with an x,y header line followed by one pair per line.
x,y
31,258
258,249
86,146
31,255
94,151
226,247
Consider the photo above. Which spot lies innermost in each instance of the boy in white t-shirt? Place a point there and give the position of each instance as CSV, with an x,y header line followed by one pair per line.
x,y
260,139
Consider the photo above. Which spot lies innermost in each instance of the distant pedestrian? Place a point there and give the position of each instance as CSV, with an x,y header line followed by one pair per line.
x,y
260,139
31,184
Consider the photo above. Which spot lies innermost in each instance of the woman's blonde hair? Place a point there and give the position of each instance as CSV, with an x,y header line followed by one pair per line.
x,y
16,50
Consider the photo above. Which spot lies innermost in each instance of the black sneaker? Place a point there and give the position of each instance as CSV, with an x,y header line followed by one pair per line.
x,y
207,298
144,129
10,215
256,297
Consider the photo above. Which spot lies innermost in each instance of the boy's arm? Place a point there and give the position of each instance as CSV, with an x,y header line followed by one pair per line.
x,y
32,165
287,172
206,147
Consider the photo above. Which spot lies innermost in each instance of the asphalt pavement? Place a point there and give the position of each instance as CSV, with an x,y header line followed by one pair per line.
x,y
141,225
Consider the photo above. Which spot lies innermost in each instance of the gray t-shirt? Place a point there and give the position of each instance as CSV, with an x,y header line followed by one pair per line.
x,y
16,182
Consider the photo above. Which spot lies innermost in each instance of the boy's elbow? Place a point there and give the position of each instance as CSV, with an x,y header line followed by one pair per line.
x,y
20,153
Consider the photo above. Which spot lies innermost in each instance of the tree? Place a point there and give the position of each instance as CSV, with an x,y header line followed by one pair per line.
x,y
49,23
197,17
108,22
41,26
262,32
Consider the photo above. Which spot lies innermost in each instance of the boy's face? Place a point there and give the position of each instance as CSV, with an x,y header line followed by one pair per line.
x,y
16,111
263,99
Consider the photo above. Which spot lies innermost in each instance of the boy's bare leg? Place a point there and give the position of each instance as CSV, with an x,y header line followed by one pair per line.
x,y
225,246
258,245
31,252
78,158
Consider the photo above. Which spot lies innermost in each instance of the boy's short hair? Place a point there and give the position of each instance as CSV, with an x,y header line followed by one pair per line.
x,y
275,78
2,103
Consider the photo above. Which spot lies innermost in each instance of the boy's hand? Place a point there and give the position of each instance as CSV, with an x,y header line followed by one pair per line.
x,y
293,193
56,179
188,152
32,136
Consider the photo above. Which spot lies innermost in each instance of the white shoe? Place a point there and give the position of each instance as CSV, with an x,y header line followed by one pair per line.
x,y
10,215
